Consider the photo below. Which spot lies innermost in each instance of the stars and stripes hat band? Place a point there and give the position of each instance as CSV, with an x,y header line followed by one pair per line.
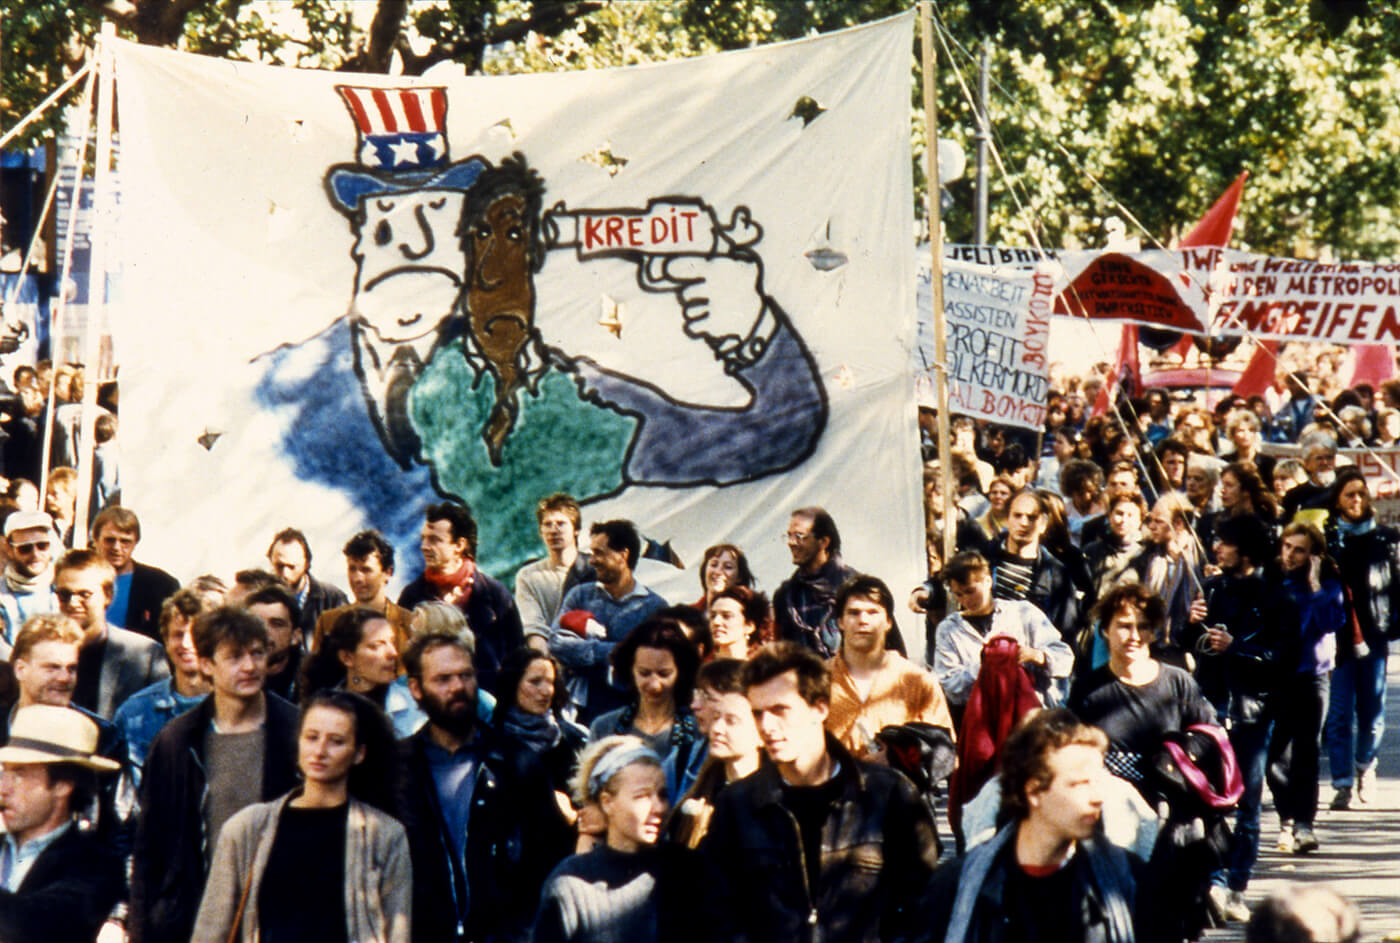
x,y
401,146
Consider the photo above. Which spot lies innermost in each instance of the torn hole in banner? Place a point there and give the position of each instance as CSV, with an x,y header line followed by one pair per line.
x,y
807,109
823,256
208,437
605,158
505,125
611,317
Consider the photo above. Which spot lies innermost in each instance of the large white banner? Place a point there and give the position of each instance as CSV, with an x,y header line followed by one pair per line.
x,y
681,292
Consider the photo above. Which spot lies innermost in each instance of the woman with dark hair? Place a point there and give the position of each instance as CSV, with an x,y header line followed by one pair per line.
x,y
737,616
532,693
1367,554
325,862
627,887
656,663
1242,494
358,655
723,566
1134,698
1056,539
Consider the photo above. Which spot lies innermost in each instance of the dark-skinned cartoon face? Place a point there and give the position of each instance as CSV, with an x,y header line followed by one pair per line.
x,y
500,293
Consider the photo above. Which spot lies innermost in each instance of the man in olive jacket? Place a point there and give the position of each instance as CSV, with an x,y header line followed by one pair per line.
x,y
814,839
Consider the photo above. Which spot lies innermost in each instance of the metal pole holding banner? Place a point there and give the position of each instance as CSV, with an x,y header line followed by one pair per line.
x,y
60,308
97,278
935,239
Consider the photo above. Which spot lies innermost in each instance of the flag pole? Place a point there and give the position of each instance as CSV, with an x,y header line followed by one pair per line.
x,y
935,238
97,279
60,308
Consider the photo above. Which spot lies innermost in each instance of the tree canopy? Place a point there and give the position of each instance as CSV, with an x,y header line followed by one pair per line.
x,y
1146,108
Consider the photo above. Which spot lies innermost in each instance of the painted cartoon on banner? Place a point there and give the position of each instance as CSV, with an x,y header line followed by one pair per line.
x,y
440,381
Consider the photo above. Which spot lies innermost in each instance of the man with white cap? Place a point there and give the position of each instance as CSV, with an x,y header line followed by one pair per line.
x,y
27,587
58,882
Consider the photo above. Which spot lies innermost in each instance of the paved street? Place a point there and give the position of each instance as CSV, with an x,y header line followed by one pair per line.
x,y
1360,853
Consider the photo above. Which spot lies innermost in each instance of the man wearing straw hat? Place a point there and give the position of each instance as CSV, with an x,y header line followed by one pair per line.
x,y
58,882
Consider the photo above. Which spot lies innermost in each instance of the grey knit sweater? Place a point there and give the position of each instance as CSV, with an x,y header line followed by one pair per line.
x,y
604,896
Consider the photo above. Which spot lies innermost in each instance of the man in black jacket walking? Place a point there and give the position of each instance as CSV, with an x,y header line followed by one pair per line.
x,y
814,844
483,826
236,748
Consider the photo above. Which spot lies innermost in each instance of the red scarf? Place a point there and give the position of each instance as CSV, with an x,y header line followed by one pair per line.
x,y
456,587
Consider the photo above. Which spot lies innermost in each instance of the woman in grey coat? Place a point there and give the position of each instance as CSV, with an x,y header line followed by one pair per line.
x,y
323,862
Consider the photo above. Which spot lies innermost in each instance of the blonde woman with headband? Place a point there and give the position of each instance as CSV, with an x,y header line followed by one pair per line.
x,y
628,887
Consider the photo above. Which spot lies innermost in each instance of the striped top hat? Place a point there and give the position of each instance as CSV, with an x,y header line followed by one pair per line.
x,y
401,146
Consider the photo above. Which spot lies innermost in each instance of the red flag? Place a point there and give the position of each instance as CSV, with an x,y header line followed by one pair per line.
x,y
1126,369
1369,363
1259,375
1212,230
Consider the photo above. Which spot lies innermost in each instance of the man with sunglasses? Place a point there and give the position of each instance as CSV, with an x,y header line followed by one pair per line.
x,y
27,587
113,663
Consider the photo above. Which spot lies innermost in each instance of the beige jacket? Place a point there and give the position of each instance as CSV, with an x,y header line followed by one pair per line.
x,y
378,875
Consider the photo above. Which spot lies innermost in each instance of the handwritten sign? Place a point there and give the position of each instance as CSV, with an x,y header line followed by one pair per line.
x,y
664,227
998,329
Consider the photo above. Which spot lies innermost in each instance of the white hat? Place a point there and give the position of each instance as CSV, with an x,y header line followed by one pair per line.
x,y
42,733
27,520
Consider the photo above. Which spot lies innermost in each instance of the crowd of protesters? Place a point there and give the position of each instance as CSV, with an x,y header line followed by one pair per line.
x,y
1133,611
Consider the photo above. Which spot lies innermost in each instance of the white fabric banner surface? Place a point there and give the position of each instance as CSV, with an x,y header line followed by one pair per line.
x,y
680,292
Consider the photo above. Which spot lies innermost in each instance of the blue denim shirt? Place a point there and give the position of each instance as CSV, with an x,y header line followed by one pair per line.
x,y
143,715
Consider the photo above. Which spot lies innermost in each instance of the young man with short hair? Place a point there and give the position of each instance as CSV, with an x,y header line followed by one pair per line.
x,y
1046,875
277,607
814,838
871,686
114,663
957,657
540,586
142,716
1023,569
594,617
139,589
450,574
369,565
237,747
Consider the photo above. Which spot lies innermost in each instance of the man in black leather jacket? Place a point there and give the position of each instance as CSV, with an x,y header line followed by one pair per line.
x,y
815,845
484,830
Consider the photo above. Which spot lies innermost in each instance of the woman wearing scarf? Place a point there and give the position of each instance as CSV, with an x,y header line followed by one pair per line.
x,y
531,695
1368,556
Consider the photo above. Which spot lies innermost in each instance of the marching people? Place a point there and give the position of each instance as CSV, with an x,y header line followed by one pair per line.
x,y
328,861
237,748
483,825
1309,583
775,868
656,665
1046,875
